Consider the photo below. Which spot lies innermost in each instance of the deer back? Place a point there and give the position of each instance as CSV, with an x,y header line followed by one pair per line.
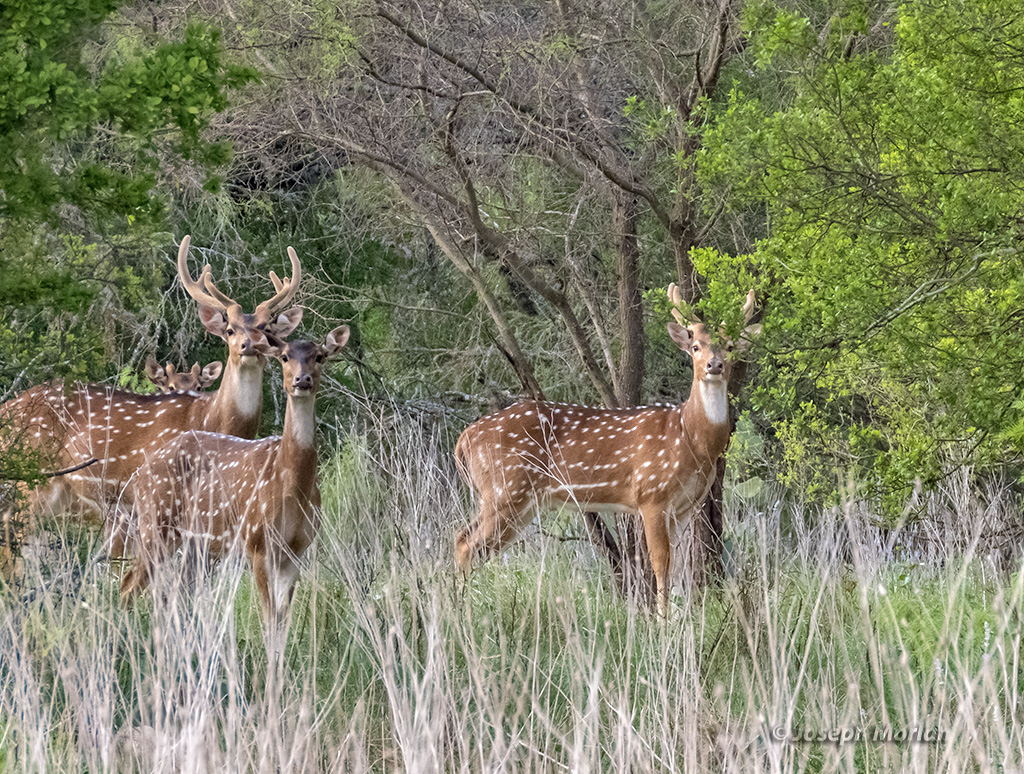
x,y
67,426
602,458
210,486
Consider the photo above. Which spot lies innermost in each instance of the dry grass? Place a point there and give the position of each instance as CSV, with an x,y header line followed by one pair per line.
x,y
396,663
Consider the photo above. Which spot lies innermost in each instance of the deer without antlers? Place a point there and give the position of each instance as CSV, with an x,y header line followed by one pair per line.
x,y
262,494
67,425
169,379
655,461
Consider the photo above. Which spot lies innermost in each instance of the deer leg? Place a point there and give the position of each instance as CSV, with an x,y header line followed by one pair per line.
x,y
285,576
117,538
50,499
135,580
261,574
467,542
275,572
660,550
139,575
494,527
150,550
464,543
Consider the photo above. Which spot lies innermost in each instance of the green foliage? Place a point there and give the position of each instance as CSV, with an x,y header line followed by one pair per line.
x,y
53,100
893,185
729,279
650,121
83,140
72,301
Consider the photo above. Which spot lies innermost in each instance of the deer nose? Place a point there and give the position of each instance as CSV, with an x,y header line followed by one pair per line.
x,y
304,381
715,366
248,348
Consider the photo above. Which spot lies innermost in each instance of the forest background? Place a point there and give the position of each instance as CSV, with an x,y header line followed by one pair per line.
x,y
495,197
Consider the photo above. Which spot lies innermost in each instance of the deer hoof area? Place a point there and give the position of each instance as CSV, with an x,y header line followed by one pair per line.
x,y
463,551
134,581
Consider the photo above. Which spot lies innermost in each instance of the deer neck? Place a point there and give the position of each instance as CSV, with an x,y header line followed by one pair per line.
x,y
714,400
705,416
236,407
298,441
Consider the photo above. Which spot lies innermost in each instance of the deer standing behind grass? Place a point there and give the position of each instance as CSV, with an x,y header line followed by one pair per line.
x,y
67,425
260,495
169,379
658,461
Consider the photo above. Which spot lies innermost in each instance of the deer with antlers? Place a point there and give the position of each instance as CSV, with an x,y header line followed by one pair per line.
x,y
657,461
67,425
261,495
169,379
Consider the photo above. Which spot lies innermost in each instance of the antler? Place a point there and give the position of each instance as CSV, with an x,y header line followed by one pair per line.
x,y
675,295
200,289
285,288
205,290
213,290
748,307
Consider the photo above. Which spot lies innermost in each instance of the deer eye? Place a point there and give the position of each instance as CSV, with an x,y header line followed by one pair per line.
x,y
231,332
696,347
319,358
284,358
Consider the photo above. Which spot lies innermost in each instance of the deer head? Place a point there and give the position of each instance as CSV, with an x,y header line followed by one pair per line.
x,y
302,361
169,379
711,355
245,334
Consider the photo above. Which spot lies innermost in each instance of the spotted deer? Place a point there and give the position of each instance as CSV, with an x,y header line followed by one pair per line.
x,y
656,461
66,425
169,379
259,495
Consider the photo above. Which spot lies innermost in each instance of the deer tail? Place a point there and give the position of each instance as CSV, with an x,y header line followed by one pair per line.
x,y
462,460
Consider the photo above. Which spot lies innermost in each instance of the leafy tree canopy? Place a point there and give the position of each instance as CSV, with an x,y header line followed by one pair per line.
x,y
54,101
89,121
893,180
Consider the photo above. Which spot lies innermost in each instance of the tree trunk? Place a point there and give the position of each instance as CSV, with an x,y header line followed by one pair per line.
x,y
631,311
705,559
631,568
707,545
10,534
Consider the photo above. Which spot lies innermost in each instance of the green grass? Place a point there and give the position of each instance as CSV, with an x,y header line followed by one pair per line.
x,y
396,662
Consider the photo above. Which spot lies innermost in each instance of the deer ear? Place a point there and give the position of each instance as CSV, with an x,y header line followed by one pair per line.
x,y
214,321
155,372
681,336
336,340
286,322
747,338
210,374
266,343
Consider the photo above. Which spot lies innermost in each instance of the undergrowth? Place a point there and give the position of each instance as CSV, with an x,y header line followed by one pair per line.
x,y
397,662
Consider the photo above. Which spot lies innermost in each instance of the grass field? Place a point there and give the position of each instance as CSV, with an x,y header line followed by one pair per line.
x,y
827,625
